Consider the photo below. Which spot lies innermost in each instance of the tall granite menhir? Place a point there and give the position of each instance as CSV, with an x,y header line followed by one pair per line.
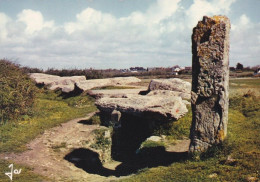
x,y
210,77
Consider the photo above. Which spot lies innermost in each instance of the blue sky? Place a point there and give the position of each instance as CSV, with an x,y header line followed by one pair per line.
x,y
119,33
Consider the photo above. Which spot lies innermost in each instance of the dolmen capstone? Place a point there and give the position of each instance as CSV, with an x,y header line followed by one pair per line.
x,y
154,107
69,83
210,79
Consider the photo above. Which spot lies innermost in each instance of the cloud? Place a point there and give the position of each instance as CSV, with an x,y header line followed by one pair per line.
x,y
4,19
199,8
245,41
157,36
34,21
91,21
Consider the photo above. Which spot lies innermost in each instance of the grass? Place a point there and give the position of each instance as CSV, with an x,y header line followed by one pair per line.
x,y
151,144
246,82
49,111
176,130
26,174
102,141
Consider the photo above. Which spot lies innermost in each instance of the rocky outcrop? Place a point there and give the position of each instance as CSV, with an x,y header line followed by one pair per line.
x,y
210,79
173,84
67,84
154,107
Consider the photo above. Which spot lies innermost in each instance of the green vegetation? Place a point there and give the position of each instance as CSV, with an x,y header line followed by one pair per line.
x,y
245,83
151,144
95,119
176,130
102,141
17,92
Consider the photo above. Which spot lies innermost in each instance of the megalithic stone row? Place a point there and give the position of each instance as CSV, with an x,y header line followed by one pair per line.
x,y
210,82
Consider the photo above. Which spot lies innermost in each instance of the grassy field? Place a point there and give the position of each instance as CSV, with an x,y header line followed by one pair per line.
x,y
237,159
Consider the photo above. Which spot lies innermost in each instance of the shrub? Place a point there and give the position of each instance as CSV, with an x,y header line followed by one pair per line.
x,y
17,91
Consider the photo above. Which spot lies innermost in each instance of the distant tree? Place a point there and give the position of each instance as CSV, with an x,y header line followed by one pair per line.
x,y
232,68
239,66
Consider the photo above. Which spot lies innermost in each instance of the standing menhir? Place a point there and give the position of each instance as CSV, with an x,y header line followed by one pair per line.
x,y
210,77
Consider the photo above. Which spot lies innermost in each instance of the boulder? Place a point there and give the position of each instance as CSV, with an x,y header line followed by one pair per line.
x,y
90,84
173,84
152,107
66,84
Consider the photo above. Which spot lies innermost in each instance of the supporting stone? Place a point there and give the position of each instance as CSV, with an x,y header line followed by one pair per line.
x,y
210,79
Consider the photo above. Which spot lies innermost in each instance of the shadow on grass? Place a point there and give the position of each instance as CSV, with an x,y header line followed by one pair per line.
x,y
89,161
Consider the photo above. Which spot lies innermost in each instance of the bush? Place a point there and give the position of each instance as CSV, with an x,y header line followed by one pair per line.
x,y
17,91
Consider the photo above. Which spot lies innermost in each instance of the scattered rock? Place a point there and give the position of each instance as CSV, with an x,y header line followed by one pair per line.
x,y
214,175
252,179
173,84
230,161
154,138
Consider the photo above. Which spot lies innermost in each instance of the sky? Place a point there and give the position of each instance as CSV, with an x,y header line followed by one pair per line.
x,y
102,34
